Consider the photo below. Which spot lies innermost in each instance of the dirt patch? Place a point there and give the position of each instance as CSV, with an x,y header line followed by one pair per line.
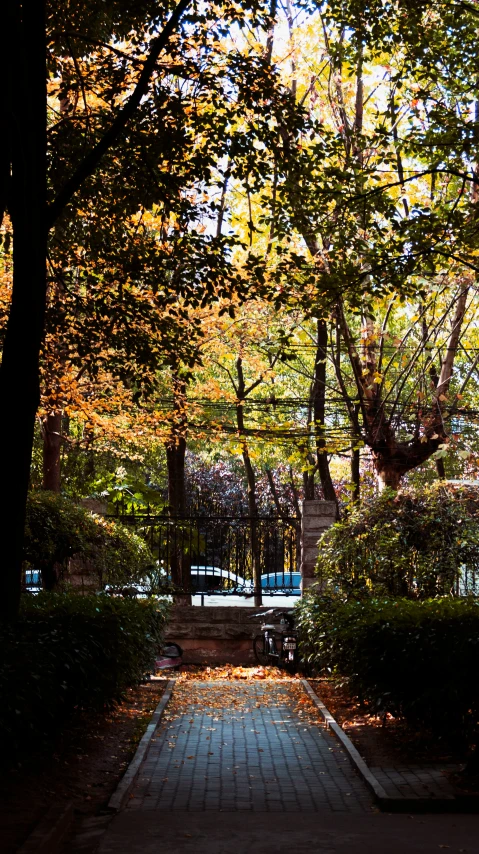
x,y
82,766
381,741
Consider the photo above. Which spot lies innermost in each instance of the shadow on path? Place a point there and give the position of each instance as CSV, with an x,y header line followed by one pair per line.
x,y
249,767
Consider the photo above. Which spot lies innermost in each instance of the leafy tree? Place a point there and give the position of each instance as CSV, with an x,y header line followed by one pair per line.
x,y
120,43
25,194
382,192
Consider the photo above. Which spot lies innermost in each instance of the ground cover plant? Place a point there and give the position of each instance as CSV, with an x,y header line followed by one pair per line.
x,y
66,652
82,766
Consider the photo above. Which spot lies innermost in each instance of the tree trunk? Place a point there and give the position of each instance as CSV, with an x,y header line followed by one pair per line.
x,y
52,444
308,485
180,559
175,458
355,474
282,513
295,494
388,477
355,464
319,410
51,575
441,469
253,514
19,371
251,485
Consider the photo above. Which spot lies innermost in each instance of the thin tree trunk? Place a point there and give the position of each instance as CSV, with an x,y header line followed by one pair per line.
x,y
52,444
274,493
308,485
355,464
440,468
175,458
19,371
355,474
295,493
253,514
251,484
270,38
319,412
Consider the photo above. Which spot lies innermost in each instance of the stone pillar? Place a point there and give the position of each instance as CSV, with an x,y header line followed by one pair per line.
x,y
317,517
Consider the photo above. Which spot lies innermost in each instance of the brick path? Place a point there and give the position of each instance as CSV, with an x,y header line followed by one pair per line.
x,y
416,781
247,746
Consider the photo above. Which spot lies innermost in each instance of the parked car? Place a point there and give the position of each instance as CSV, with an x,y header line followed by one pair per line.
x,y
283,584
33,581
207,578
204,579
216,586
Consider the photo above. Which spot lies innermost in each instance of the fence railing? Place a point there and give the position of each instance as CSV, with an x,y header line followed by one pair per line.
x,y
219,553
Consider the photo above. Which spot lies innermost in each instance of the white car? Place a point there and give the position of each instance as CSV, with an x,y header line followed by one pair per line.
x,y
209,580
205,578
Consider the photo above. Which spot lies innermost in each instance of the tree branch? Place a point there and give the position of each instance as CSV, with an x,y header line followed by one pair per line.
x,y
274,493
91,161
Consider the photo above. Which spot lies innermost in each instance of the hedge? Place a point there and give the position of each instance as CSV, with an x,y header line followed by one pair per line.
x,y
57,529
66,652
418,543
419,660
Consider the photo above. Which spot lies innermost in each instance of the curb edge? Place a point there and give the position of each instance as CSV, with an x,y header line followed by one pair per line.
x,y
386,802
119,795
378,791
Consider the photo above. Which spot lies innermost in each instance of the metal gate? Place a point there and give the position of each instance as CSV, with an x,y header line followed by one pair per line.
x,y
218,553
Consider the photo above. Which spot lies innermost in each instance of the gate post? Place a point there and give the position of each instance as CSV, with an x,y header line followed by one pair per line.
x,y
316,518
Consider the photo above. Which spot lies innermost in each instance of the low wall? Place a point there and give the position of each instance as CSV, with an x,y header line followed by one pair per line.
x,y
214,635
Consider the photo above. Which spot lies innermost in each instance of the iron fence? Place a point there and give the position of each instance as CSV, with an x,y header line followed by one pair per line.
x,y
467,581
219,553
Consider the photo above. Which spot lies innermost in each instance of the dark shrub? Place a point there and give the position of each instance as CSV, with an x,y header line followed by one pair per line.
x,y
67,651
416,659
57,530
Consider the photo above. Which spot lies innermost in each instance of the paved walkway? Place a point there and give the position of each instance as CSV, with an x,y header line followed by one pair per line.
x,y
261,747
426,781
250,769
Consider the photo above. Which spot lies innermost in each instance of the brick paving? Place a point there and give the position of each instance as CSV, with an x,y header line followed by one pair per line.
x,y
249,746
416,781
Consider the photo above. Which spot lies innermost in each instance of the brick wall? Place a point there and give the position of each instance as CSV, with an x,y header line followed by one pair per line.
x,y
214,635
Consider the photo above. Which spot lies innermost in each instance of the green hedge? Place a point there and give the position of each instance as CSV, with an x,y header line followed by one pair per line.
x,y
56,529
419,660
415,543
66,652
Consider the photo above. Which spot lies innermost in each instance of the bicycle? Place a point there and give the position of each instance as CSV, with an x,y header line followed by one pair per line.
x,y
277,644
169,656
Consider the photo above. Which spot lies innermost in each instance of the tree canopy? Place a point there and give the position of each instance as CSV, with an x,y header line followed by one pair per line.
x,y
242,235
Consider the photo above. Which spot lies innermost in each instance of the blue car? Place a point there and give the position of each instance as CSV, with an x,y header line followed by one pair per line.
x,y
287,583
33,581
